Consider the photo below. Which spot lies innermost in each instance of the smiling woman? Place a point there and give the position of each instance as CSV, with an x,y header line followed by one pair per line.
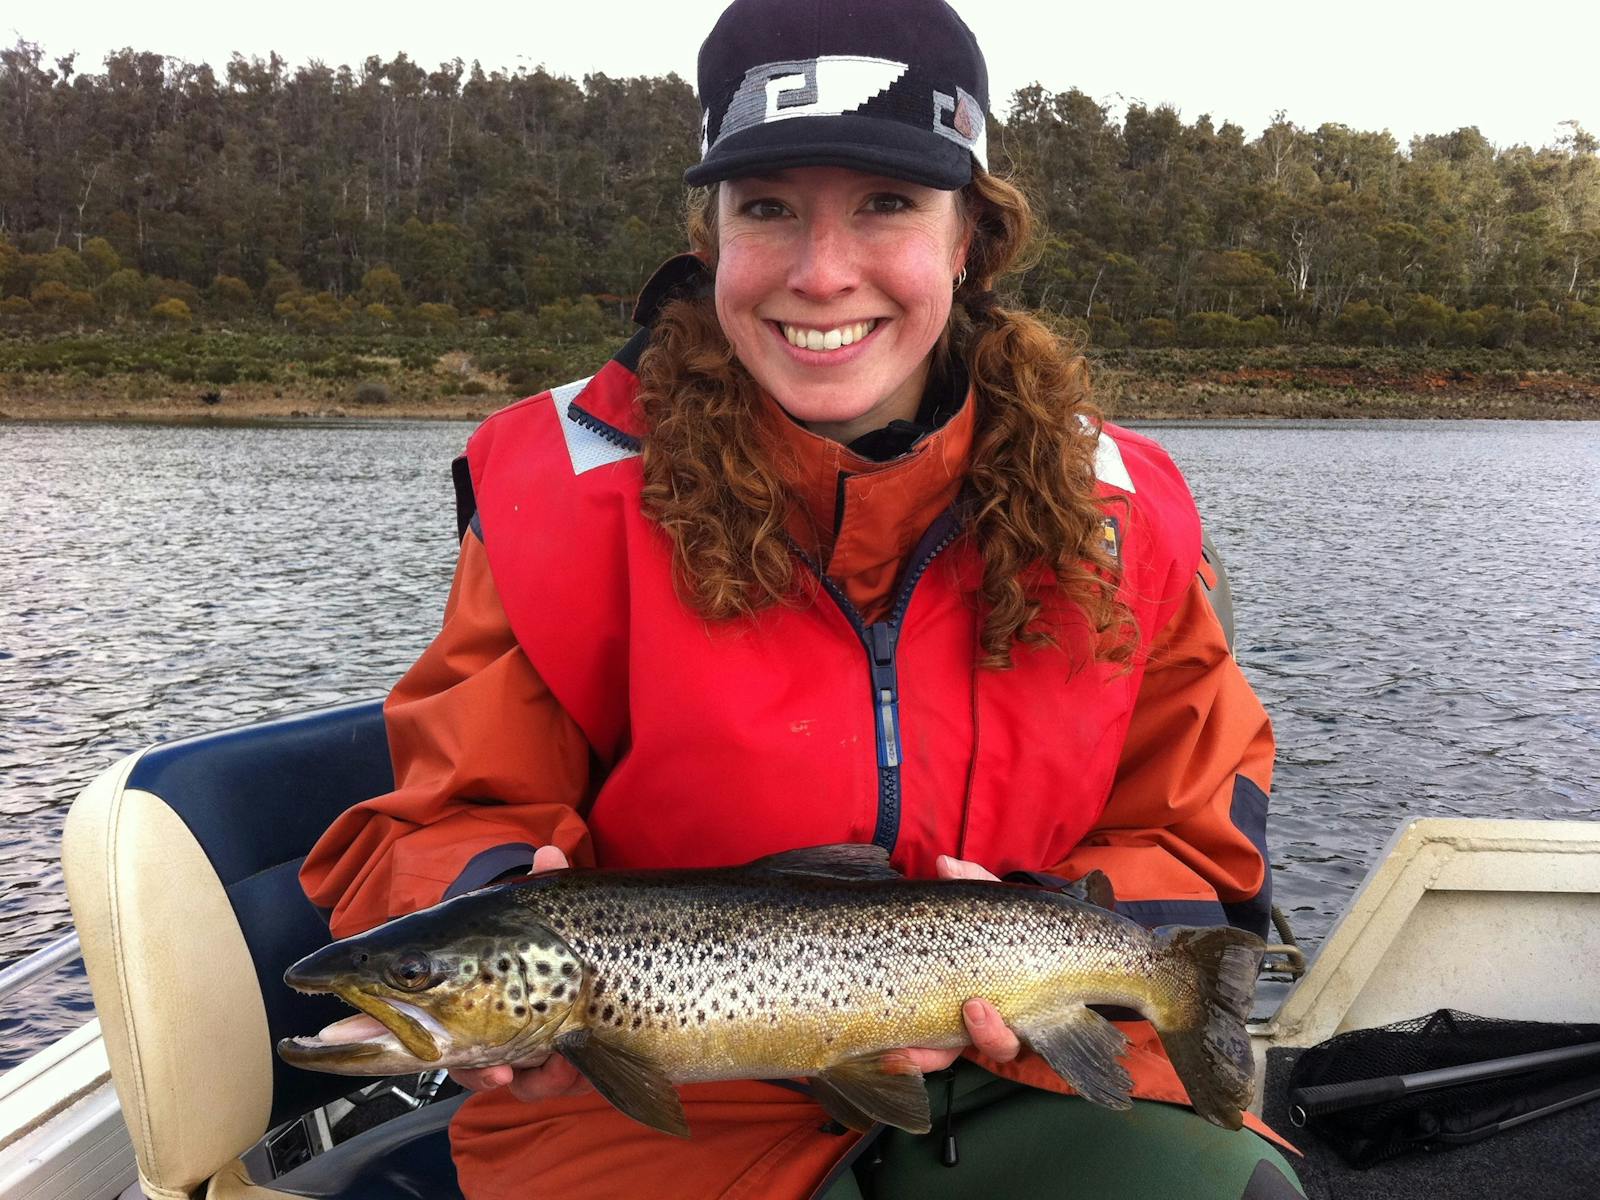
x,y
836,550
833,286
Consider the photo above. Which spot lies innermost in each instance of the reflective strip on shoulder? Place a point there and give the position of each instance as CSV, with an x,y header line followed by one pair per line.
x,y
1108,464
587,447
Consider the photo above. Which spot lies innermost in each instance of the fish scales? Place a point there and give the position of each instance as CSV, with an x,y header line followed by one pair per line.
x,y
815,963
780,979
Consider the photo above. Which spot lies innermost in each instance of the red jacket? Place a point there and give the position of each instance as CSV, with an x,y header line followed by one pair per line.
x,y
572,699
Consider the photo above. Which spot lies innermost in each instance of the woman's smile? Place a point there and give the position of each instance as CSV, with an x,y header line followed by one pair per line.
x,y
825,346
833,287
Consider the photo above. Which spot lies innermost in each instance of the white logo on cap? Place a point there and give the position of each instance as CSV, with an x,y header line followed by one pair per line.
x,y
827,86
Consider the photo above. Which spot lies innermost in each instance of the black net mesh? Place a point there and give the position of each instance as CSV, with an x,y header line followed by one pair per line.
x,y
1441,1118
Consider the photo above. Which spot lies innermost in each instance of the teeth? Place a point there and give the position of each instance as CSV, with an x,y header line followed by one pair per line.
x,y
827,339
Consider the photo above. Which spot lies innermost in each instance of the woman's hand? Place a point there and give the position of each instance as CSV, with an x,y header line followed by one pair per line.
x,y
545,1075
988,1032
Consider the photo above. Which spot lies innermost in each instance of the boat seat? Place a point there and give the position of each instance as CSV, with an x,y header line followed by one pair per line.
x,y
182,867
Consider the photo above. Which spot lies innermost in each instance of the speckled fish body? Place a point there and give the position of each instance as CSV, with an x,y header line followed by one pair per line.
x,y
807,964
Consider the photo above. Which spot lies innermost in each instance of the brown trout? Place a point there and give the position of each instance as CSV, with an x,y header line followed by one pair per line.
x,y
808,964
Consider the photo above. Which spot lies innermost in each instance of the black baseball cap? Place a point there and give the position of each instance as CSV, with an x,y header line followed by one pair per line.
x,y
894,87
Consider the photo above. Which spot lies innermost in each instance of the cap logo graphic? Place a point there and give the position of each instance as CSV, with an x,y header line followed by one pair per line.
x,y
827,86
960,118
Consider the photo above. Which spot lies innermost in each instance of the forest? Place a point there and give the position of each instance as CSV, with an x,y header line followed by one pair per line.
x,y
394,198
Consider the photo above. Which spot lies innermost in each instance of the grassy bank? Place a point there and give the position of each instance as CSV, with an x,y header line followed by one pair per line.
x,y
229,375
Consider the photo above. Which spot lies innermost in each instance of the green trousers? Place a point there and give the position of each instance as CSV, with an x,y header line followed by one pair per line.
x,y
1018,1143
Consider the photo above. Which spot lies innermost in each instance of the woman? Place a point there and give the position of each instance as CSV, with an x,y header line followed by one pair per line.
x,y
834,550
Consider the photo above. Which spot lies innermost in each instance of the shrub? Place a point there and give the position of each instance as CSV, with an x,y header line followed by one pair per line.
x,y
1211,329
1541,327
232,295
382,286
1364,323
1107,333
172,312
1261,330
50,295
221,371
371,391
531,372
1499,326
1154,332
474,387
433,318
125,293
1422,320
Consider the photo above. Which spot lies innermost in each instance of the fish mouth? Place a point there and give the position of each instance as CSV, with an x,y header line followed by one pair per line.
x,y
410,1028
320,1052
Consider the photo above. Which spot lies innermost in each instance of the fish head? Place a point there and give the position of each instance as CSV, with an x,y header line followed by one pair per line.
x,y
466,984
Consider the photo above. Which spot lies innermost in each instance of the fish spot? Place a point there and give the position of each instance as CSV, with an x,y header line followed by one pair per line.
x,y
607,1013
516,993
519,1011
504,964
540,1006
542,967
468,968
499,1006
637,1021
559,990
568,970
467,1005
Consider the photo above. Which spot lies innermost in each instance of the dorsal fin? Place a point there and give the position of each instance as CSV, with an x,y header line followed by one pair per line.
x,y
1093,888
846,860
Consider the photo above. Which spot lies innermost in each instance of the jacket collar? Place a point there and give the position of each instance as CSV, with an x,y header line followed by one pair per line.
x,y
857,519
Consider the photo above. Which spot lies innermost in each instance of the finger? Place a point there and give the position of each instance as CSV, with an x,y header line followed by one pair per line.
x,y
549,858
557,1077
959,868
989,1032
481,1079
923,1059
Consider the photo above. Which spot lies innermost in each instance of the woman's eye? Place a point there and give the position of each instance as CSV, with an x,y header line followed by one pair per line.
x,y
889,203
765,210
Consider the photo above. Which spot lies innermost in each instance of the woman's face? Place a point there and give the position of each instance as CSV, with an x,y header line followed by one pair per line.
x,y
833,286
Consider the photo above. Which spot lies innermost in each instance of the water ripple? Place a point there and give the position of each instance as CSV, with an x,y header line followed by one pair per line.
x,y
1415,605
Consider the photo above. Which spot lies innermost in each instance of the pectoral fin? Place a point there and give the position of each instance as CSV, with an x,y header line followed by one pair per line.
x,y
864,1091
631,1082
1083,1047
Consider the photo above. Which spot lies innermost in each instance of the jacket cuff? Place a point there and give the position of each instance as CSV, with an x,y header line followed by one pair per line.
x,y
487,866
1155,913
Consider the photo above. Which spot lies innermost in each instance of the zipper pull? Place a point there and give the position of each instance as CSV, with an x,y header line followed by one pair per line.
x,y
880,643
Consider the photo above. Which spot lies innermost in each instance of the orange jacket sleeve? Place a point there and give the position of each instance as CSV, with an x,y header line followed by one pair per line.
x,y
1184,828
487,767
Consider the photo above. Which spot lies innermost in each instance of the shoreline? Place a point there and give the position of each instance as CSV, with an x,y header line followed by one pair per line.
x,y
1128,386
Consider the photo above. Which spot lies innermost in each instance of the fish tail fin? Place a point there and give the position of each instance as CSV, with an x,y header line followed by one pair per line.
x,y
1207,1040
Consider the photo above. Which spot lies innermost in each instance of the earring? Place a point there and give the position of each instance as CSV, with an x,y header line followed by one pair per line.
x,y
960,279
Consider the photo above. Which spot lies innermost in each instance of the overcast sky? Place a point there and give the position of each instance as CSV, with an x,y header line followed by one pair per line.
x,y
1516,71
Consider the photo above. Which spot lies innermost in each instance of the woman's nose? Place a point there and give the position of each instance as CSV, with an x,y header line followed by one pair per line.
x,y
825,263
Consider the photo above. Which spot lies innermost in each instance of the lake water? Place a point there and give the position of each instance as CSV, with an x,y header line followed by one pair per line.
x,y
1417,604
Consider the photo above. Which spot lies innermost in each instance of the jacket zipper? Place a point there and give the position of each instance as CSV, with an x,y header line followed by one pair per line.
x,y
881,641
587,420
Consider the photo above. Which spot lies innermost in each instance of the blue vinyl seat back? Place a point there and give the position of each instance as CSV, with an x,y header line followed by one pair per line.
x,y
256,799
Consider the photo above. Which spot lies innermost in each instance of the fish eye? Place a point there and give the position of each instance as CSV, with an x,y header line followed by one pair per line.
x,y
411,971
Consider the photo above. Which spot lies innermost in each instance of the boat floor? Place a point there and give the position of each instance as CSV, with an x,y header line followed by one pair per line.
x,y
1554,1158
